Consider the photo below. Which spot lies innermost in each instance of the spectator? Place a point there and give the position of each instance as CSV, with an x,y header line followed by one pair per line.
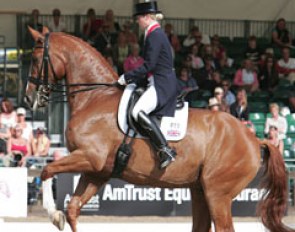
x,y
35,24
217,49
224,64
229,97
92,27
5,137
286,65
213,104
19,148
185,81
133,60
55,24
194,37
280,36
246,77
197,61
205,74
206,51
104,42
269,76
131,37
273,138
239,108
109,19
228,62
252,51
40,143
121,51
276,120
219,95
8,114
173,38
21,121
187,62
109,59
269,52
34,21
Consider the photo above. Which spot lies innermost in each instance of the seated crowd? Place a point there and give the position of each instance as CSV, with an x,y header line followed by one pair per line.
x,y
20,144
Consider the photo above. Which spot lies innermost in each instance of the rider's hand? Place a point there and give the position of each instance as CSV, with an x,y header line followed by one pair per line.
x,y
121,80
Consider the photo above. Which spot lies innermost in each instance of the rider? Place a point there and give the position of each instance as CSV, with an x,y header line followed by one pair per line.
x,y
161,93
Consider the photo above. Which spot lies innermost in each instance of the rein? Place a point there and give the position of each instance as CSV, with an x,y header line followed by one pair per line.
x,y
53,87
72,93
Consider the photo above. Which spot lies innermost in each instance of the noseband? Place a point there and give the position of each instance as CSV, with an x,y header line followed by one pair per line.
x,y
43,86
46,61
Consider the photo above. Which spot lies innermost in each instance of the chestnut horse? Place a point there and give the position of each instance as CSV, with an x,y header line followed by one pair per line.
x,y
217,158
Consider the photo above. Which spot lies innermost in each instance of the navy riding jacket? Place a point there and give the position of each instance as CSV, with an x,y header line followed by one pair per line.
x,y
158,61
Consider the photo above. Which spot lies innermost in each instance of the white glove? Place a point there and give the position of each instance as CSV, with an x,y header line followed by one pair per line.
x,y
121,80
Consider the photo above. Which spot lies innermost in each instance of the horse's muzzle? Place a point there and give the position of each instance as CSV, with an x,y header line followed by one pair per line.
x,y
37,100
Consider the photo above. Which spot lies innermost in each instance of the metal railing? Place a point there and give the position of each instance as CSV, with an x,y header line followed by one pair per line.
x,y
222,27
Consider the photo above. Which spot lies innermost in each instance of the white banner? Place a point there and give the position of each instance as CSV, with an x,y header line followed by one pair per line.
x,y
13,192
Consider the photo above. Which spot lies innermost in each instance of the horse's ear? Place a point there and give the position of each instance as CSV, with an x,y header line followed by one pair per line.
x,y
37,36
45,30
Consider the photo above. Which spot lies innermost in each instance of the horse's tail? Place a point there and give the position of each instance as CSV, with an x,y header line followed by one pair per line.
x,y
274,181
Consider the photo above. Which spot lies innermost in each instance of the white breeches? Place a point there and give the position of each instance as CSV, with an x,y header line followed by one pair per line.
x,y
148,100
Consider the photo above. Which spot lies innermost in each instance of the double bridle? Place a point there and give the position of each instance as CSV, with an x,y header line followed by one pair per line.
x,y
43,86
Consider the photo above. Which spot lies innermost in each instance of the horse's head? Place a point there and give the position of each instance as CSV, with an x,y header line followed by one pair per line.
x,y
46,67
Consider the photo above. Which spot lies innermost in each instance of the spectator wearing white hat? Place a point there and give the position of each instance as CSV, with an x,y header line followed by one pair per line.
x,y
219,95
26,127
213,104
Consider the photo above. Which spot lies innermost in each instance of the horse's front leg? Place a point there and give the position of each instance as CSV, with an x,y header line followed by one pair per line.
x,y
77,161
88,185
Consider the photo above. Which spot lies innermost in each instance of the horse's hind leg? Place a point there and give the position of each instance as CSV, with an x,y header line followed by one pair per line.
x,y
88,185
220,208
219,199
200,209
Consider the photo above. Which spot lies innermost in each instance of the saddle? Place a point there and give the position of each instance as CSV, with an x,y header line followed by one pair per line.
x,y
173,128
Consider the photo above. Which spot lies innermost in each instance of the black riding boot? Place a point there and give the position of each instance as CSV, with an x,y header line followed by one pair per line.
x,y
166,153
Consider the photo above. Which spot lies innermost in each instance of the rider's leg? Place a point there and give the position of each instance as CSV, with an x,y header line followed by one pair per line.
x,y
146,104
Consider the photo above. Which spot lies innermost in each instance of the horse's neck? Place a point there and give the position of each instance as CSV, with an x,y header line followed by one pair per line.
x,y
86,65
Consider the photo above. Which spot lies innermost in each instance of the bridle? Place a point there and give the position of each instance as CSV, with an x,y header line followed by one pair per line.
x,y
44,88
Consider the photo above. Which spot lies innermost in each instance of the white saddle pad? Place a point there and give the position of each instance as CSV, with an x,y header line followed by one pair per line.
x,y
173,128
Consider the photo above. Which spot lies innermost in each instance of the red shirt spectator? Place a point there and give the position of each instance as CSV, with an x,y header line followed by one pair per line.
x,y
92,27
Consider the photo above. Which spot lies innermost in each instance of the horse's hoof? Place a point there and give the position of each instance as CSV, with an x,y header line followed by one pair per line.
x,y
59,220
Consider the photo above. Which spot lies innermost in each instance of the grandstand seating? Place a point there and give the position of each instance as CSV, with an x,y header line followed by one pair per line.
x,y
199,104
257,118
259,106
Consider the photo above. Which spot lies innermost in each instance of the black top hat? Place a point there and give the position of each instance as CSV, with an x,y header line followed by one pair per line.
x,y
146,8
